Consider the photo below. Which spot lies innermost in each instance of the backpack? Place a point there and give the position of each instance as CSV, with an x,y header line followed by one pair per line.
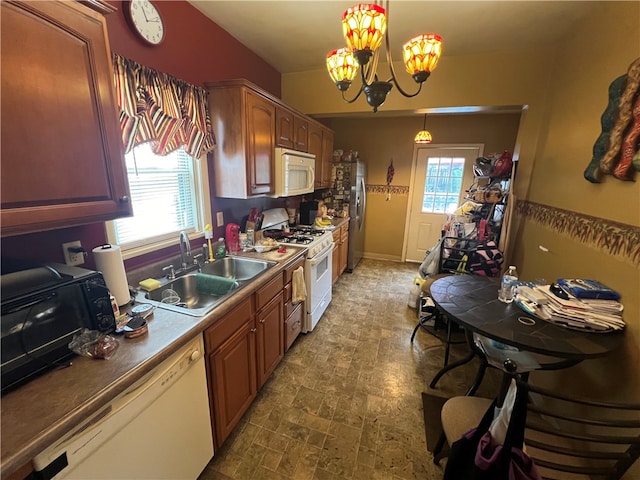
x,y
485,260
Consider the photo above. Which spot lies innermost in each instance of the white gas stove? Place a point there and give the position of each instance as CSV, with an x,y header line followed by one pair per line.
x,y
318,264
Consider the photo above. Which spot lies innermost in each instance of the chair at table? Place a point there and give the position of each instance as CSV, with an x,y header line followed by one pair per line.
x,y
567,438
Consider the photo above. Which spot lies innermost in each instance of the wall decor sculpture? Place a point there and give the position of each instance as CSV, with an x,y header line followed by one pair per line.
x,y
617,150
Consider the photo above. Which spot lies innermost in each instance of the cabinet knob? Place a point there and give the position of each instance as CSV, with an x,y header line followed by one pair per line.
x,y
262,321
253,330
123,199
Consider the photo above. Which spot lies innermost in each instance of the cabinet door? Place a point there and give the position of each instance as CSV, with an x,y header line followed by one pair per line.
x,y
284,128
62,156
270,323
232,380
300,133
261,121
327,157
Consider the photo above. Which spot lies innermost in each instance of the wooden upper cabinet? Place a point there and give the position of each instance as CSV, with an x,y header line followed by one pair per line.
x,y
321,145
327,157
291,130
62,154
261,116
244,123
301,133
284,128
249,123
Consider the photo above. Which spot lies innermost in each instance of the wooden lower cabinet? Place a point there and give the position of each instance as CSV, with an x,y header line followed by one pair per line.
x,y
340,251
335,266
293,312
231,368
344,247
293,325
270,338
243,348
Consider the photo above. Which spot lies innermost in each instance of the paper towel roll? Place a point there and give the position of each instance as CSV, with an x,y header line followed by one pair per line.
x,y
109,261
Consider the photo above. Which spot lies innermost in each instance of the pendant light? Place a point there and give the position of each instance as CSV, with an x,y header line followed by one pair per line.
x,y
423,136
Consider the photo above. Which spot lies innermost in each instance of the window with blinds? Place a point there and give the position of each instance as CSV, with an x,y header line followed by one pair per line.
x,y
165,197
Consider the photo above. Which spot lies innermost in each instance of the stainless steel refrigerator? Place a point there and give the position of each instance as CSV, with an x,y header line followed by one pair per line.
x,y
349,188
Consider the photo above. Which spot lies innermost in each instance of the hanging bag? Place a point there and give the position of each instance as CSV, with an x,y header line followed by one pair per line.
x,y
479,456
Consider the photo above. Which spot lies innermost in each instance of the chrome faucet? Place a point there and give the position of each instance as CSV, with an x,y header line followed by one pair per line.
x,y
185,250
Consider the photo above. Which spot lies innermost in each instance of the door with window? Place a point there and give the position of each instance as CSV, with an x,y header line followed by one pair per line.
x,y
441,174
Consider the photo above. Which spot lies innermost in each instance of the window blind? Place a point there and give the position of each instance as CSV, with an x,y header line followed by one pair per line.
x,y
163,195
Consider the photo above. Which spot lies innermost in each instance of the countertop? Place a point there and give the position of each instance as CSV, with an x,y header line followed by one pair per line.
x,y
339,221
36,414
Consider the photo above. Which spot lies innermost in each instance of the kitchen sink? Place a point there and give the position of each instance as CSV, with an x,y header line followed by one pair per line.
x,y
182,294
238,268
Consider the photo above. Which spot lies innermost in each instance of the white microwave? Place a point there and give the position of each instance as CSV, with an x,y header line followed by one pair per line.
x,y
295,172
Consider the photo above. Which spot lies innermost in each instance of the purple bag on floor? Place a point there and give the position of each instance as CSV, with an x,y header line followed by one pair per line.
x,y
476,456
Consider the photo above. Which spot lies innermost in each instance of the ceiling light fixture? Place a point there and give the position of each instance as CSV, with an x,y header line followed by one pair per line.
x,y
364,26
423,136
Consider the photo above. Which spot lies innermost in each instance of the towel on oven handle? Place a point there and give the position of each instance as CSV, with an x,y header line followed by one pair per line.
x,y
299,289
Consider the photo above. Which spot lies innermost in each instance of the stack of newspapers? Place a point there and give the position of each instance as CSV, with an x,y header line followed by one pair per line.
x,y
557,305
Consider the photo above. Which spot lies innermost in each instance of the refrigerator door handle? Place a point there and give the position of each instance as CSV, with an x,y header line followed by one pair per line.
x,y
364,203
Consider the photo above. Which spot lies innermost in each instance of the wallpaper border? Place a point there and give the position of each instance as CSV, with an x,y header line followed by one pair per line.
x,y
388,189
618,239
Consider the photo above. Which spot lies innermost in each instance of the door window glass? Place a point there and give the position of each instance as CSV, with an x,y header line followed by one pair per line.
x,y
442,184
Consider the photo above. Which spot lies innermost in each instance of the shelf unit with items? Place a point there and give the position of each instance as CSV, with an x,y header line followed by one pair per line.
x,y
472,236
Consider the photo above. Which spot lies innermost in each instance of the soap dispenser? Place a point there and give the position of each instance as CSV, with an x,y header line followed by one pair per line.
x,y
221,251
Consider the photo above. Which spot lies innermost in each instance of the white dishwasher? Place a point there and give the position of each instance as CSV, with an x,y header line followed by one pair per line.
x,y
159,428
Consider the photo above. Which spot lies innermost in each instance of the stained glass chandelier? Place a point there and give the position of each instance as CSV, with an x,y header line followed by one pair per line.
x,y
364,26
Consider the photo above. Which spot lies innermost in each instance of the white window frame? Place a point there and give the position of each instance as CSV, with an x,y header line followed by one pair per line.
x,y
203,206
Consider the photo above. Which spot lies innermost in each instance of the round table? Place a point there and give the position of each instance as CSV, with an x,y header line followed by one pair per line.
x,y
472,302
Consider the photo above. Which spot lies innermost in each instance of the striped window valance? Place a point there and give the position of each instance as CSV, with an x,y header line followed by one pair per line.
x,y
164,111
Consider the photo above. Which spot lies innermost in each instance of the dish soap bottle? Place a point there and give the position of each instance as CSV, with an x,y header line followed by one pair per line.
x,y
508,285
221,251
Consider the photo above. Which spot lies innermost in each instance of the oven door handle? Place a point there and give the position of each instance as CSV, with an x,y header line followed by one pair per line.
x,y
321,256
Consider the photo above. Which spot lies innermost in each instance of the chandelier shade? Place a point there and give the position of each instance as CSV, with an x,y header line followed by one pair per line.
x,y
421,55
342,67
364,27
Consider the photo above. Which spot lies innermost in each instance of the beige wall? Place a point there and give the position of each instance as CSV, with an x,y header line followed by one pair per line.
x,y
378,140
565,89
585,66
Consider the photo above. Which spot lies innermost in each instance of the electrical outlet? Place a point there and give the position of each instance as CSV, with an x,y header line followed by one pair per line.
x,y
70,257
219,219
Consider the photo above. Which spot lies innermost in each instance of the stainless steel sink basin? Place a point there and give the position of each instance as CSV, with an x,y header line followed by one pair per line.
x,y
238,268
190,300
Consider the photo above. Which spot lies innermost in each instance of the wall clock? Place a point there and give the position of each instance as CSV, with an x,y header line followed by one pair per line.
x,y
145,20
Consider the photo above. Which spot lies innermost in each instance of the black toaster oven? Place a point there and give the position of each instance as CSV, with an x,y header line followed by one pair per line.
x,y
42,308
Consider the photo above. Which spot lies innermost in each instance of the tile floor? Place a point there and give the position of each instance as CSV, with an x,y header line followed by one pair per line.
x,y
345,402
